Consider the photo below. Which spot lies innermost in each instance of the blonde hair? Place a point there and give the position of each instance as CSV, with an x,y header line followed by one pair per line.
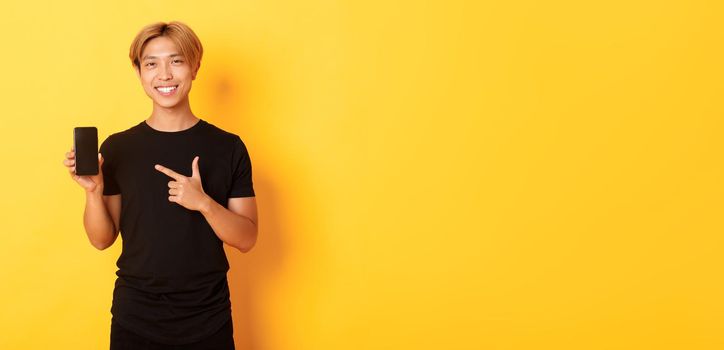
x,y
181,34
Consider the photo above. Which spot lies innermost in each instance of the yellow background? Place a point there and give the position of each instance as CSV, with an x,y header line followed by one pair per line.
x,y
430,175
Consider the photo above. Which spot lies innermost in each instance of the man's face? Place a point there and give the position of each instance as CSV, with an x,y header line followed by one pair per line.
x,y
164,73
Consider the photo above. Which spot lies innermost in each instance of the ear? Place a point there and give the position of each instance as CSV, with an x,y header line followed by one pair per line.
x,y
138,71
196,71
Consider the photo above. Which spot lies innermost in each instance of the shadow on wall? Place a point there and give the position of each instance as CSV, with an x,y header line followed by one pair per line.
x,y
249,273
225,99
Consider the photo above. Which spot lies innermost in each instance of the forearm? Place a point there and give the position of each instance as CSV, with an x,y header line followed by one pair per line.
x,y
235,230
97,221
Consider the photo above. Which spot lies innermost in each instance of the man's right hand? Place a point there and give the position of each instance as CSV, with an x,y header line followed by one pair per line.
x,y
91,183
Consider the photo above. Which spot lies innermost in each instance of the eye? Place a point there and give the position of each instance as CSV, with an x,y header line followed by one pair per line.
x,y
178,61
149,64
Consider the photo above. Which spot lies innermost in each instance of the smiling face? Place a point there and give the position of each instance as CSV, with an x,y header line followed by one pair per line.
x,y
165,74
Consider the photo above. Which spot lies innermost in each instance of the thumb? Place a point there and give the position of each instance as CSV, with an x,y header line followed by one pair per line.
x,y
100,163
195,168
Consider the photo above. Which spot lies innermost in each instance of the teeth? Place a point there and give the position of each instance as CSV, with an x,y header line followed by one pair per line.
x,y
166,89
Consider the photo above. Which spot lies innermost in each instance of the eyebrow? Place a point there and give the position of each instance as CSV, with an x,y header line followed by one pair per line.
x,y
147,57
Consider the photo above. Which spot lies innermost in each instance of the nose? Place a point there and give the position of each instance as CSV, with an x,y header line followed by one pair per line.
x,y
165,72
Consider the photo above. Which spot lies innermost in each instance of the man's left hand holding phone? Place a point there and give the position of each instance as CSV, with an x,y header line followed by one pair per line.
x,y
101,217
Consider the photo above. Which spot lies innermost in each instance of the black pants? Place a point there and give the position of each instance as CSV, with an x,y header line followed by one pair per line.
x,y
123,339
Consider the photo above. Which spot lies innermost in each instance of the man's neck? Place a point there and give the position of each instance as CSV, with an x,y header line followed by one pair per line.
x,y
176,118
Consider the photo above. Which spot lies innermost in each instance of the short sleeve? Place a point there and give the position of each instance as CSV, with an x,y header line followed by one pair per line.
x,y
241,183
110,185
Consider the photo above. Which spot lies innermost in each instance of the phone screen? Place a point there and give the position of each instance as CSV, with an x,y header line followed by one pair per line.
x,y
85,141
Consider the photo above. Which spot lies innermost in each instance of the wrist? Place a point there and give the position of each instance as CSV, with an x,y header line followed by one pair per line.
x,y
96,193
207,205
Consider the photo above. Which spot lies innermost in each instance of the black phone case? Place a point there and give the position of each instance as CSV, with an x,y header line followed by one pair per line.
x,y
85,143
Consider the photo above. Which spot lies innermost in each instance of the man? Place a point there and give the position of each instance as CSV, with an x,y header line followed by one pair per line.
x,y
177,188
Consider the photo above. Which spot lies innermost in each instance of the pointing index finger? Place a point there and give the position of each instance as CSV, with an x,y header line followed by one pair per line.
x,y
168,172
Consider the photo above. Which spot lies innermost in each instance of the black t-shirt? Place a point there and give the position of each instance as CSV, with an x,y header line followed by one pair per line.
x,y
171,285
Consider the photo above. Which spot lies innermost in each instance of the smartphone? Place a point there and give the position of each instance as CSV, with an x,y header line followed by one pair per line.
x,y
85,143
